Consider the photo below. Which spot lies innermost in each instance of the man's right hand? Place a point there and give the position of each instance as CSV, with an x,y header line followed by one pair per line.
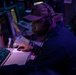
x,y
25,47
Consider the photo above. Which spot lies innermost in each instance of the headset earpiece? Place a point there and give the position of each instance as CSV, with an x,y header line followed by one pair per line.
x,y
48,21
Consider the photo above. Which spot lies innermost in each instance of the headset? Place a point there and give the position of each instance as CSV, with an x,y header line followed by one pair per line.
x,y
48,20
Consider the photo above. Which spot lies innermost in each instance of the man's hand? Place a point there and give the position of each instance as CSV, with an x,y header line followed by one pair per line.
x,y
25,47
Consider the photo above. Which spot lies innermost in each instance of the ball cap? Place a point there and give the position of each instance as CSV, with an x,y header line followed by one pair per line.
x,y
39,11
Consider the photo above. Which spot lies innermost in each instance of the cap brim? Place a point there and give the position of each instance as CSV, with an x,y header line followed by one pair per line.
x,y
32,18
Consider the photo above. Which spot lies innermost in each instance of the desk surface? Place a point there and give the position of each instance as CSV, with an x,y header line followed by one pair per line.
x,y
17,57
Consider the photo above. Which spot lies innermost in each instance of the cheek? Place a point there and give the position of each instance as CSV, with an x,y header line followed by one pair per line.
x,y
38,27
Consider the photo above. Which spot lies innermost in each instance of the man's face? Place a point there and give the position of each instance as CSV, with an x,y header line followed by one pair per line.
x,y
38,26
